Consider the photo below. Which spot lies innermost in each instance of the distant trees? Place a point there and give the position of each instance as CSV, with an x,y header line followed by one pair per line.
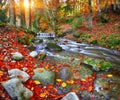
x,y
22,13
12,15
90,15
3,11
115,6
29,14
99,10
119,4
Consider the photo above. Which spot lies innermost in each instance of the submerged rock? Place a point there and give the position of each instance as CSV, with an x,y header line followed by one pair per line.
x,y
65,74
17,56
44,76
70,96
16,73
53,46
17,90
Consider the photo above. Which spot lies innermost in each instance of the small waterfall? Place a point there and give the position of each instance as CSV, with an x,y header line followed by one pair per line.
x,y
45,35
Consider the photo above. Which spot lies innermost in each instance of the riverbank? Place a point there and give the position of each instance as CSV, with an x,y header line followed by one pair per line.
x,y
102,34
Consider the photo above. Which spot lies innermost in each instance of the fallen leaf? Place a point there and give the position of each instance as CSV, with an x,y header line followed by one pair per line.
x,y
42,95
40,70
1,73
37,82
63,84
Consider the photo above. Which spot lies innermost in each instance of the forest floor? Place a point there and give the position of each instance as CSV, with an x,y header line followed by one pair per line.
x,y
108,30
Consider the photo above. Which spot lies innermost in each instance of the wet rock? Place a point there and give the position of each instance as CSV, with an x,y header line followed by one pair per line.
x,y
33,54
17,90
70,96
16,73
44,76
87,97
17,56
65,74
53,46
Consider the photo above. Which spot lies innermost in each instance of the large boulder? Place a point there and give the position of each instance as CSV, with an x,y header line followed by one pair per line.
x,y
44,76
70,96
17,90
16,73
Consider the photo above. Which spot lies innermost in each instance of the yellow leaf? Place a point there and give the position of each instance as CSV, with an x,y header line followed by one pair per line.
x,y
109,75
83,79
58,80
37,82
64,84
42,95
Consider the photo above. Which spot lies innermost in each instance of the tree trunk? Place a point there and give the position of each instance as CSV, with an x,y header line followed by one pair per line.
x,y
99,10
119,4
12,14
29,15
22,11
90,15
114,7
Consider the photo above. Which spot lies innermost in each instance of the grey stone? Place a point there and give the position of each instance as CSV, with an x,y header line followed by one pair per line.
x,y
70,96
33,54
14,73
17,90
17,56
45,77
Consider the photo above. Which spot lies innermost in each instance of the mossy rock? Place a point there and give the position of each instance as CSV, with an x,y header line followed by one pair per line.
x,y
77,34
97,64
53,46
44,76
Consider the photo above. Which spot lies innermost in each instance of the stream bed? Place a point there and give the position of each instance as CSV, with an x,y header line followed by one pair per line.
x,y
106,84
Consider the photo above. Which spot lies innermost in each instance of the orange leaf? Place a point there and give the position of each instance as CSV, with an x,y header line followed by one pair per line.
x,y
42,95
20,76
40,70
90,88
1,73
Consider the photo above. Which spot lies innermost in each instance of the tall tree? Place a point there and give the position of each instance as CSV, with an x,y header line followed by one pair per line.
x,y
29,14
22,13
90,15
114,6
99,10
12,14
119,4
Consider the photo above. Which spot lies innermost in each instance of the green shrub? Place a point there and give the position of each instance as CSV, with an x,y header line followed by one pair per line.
x,y
104,18
3,16
118,26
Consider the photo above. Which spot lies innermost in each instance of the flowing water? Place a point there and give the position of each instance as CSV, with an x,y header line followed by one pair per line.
x,y
72,49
